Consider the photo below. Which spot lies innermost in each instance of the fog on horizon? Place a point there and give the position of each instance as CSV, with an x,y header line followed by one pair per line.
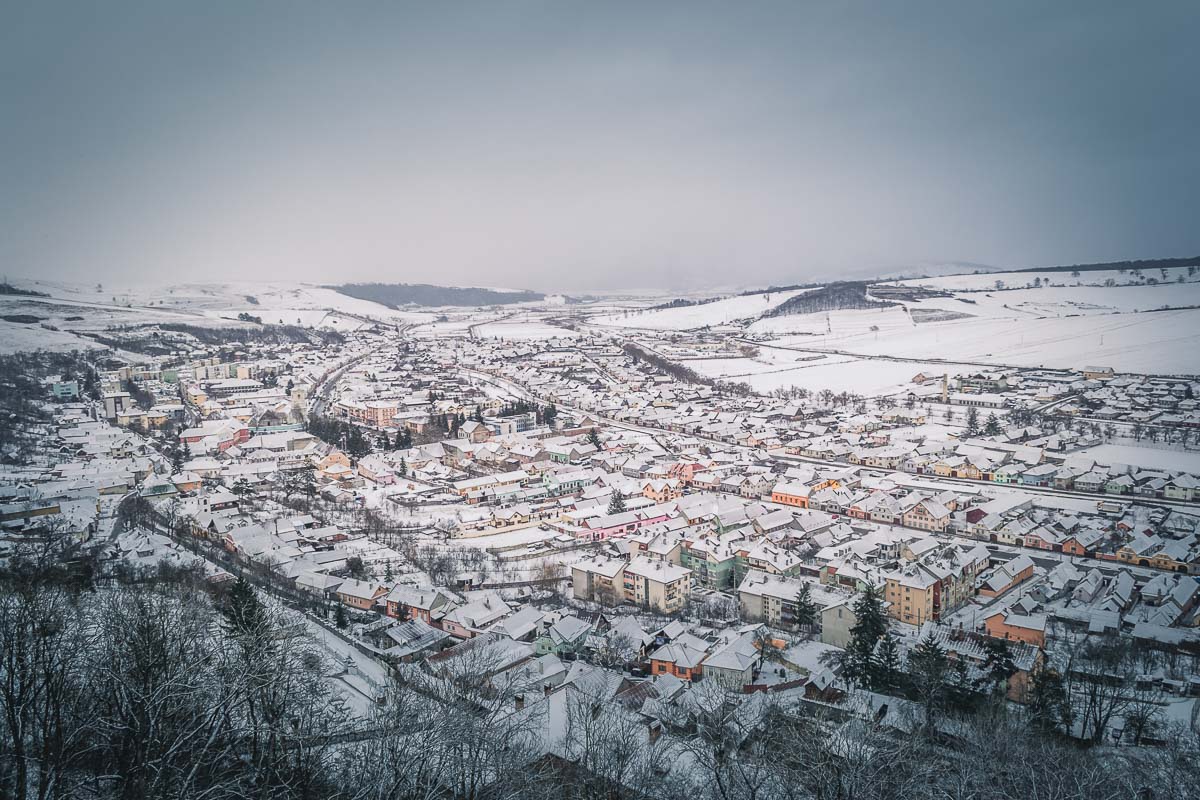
x,y
576,146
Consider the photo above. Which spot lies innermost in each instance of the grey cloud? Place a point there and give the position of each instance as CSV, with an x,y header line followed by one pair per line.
x,y
579,146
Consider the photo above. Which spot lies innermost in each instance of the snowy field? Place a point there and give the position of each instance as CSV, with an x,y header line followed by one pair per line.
x,y
1054,326
1065,301
1164,342
523,331
699,316
273,301
1085,278
864,376
505,538
1149,457
448,328
16,338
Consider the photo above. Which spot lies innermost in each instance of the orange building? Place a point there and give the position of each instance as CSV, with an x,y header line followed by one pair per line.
x,y
791,494
1027,628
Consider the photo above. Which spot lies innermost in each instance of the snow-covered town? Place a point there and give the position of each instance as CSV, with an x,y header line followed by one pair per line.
x,y
599,401
566,503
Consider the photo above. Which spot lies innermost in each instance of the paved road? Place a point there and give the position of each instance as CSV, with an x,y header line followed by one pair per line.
x,y
323,390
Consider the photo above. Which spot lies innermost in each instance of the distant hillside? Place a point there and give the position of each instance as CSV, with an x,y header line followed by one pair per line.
x,y
686,303
834,297
395,295
1150,263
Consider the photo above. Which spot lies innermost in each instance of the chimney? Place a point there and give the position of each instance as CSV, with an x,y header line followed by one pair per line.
x,y
654,729
519,701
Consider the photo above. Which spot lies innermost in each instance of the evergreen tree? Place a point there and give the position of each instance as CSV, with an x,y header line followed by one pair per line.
x,y
339,617
1048,708
992,426
806,609
998,666
244,612
868,629
928,669
91,384
403,468
959,688
593,438
356,444
886,665
385,443
176,460
478,414
549,414
972,428
308,483
616,504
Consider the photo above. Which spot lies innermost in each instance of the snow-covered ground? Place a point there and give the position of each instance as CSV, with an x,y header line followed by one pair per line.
x,y
1150,457
719,312
1163,342
775,369
15,338
1124,326
1057,325
1085,278
1064,301
275,302
508,538
445,328
524,331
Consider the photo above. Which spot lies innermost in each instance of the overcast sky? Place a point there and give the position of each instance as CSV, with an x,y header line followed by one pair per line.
x,y
597,145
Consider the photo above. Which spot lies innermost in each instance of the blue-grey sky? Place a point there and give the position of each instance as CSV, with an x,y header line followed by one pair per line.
x,y
562,145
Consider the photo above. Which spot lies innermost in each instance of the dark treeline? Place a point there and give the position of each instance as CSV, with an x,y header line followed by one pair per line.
x,y
772,289
345,435
1147,264
23,390
266,334
684,303
834,297
157,340
681,302
8,288
682,373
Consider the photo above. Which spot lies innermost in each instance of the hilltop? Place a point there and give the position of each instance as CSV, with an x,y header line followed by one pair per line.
x,y
395,295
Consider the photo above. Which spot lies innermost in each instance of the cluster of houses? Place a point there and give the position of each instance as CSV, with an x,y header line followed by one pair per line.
x,y
706,541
